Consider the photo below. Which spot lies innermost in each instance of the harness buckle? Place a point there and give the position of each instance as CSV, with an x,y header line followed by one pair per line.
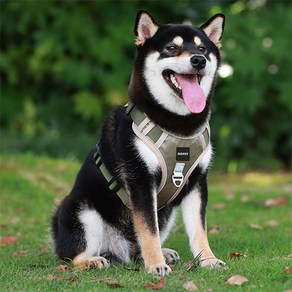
x,y
178,177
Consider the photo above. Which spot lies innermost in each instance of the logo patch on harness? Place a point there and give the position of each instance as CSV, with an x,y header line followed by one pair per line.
x,y
182,154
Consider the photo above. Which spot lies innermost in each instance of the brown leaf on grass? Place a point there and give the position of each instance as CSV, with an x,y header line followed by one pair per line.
x,y
72,278
190,266
278,202
288,270
236,280
160,285
62,268
272,223
214,230
244,198
2,226
50,277
255,226
190,286
218,206
236,255
8,240
229,195
195,263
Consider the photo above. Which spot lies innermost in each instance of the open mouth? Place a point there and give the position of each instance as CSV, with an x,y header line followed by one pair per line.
x,y
172,81
188,88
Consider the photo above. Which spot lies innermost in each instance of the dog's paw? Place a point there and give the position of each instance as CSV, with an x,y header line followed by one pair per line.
x,y
170,255
93,262
160,270
213,263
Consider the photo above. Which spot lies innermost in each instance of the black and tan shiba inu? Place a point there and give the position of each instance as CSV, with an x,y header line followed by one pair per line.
x,y
153,155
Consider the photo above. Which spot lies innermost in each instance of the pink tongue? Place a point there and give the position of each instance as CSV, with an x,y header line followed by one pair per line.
x,y
192,93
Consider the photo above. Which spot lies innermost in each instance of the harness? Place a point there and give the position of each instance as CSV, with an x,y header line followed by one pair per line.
x,y
177,157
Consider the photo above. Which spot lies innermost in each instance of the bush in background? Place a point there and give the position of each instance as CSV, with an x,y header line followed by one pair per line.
x,y
64,64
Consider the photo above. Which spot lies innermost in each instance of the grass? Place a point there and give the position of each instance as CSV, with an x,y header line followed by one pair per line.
x,y
30,186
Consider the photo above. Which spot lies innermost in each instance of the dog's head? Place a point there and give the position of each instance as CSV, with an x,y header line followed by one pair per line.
x,y
178,63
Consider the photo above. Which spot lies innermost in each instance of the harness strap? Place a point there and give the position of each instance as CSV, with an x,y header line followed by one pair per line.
x,y
112,182
153,136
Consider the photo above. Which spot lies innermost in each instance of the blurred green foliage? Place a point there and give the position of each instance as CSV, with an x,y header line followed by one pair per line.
x,y
64,64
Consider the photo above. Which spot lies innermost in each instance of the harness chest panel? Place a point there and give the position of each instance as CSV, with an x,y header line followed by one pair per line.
x,y
177,157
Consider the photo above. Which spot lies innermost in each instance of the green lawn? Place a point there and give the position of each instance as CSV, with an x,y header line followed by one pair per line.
x,y
249,214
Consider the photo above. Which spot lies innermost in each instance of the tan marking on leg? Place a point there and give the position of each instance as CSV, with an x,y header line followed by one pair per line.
x,y
197,41
200,244
150,243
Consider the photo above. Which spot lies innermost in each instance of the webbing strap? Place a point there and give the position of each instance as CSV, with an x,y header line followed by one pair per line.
x,y
148,132
138,118
112,183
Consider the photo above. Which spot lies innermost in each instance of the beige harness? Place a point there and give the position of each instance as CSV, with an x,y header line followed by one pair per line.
x,y
177,157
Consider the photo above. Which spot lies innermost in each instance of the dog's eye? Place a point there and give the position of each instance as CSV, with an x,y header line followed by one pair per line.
x,y
202,49
171,48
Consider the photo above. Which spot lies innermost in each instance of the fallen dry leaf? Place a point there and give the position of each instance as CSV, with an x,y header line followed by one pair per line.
x,y
190,286
278,202
218,206
272,223
255,226
72,278
288,270
229,195
158,286
2,226
236,255
63,268
190,266
236,280
50,277
8,240
244,198
214,230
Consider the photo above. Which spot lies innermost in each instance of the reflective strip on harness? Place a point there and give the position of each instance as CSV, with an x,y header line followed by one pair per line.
x,y
177,157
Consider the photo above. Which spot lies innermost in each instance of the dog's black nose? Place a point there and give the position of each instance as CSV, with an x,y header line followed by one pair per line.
x,y
198,62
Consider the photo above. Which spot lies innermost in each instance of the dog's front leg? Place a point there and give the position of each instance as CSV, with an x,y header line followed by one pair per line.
x,y
194,215
145,221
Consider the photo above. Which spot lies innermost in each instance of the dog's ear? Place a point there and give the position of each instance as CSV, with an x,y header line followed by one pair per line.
x,y
145,27
214,28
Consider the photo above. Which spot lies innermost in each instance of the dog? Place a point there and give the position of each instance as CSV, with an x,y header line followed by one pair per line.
x,y
115,211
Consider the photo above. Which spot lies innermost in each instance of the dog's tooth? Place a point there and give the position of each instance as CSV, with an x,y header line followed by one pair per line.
x,y
173,80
